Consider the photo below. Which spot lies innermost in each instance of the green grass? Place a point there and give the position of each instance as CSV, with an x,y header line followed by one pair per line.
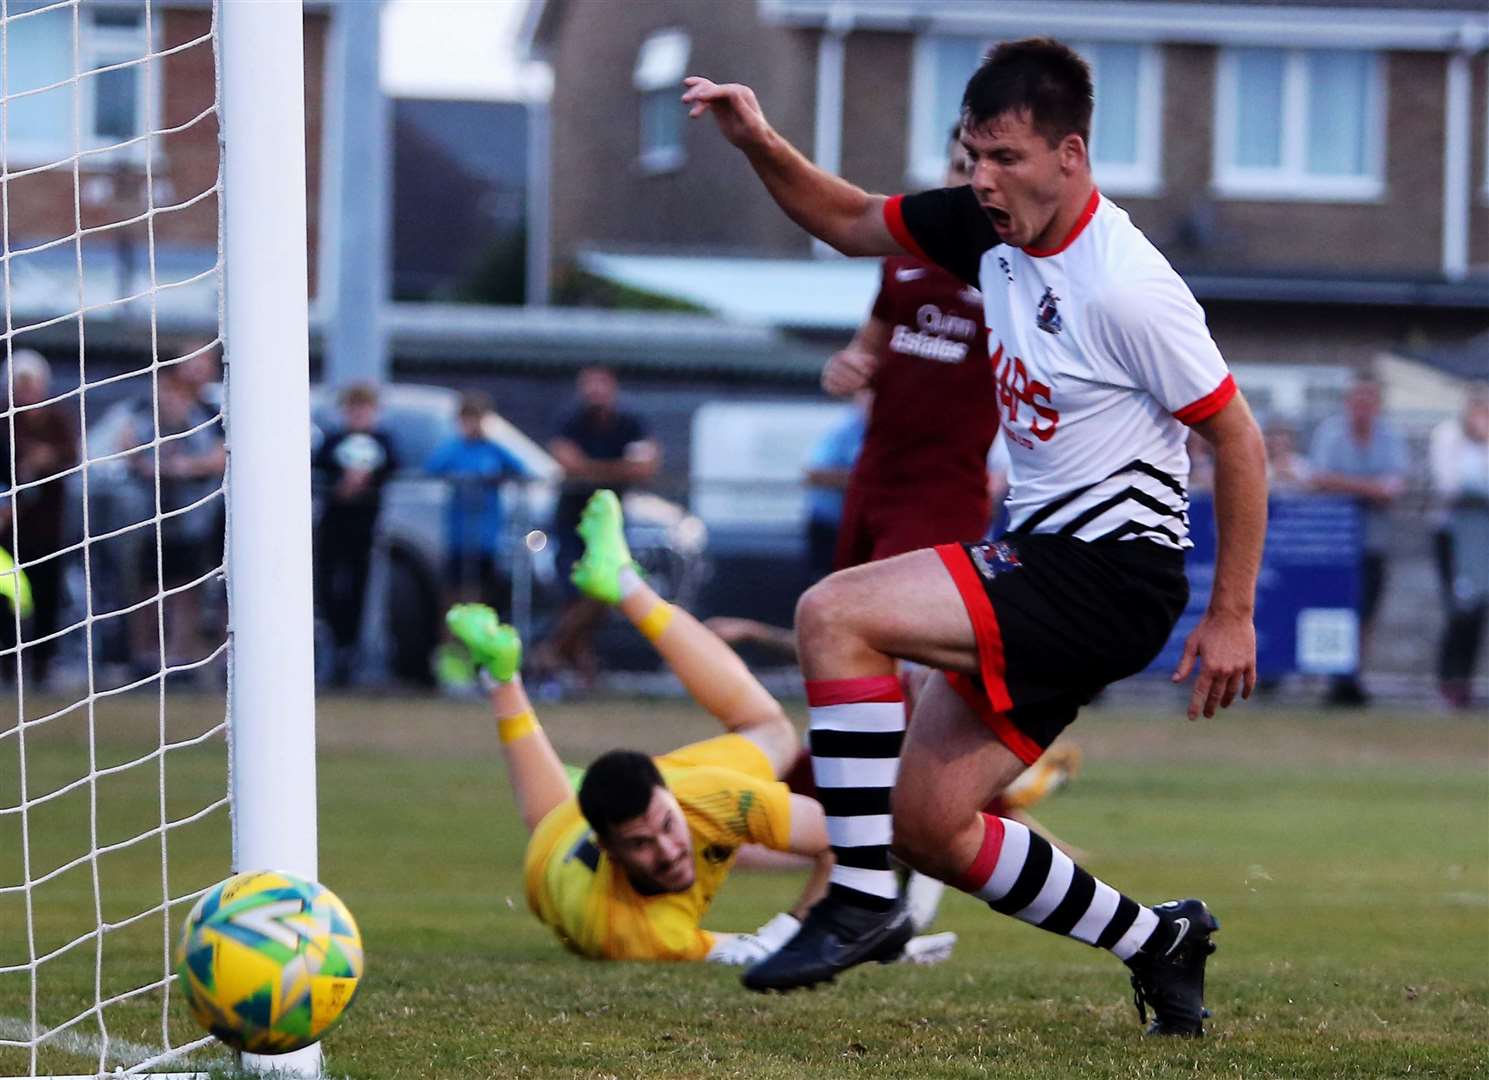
x,y
1346,856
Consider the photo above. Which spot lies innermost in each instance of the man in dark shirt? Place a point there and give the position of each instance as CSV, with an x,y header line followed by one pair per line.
x,y
599,445
32,519
351,466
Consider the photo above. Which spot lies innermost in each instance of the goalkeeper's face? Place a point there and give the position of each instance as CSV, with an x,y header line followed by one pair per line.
x,y
655,848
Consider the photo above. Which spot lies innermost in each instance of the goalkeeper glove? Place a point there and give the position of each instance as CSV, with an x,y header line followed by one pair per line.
x,y
15,586
741,950
493,645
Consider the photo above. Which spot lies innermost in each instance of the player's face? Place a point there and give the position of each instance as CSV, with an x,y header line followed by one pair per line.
x,y
1019,178
655,849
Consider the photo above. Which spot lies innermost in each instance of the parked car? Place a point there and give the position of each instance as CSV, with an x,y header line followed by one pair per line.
x,y
402,625
405,593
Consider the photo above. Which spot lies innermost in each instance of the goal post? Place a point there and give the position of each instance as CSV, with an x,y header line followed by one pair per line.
x,y
152,209
271,682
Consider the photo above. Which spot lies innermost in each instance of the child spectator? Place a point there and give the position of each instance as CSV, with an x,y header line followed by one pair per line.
x,y
475,467
352,465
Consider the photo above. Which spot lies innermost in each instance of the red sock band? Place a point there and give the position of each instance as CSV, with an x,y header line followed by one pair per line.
x,y
976,876
853,691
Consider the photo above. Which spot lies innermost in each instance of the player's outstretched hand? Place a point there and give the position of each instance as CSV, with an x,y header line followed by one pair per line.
x,y
494,646
733,105
1224,647
849,371
742,950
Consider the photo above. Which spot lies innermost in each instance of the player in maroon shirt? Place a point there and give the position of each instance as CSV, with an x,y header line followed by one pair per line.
x,y
921,478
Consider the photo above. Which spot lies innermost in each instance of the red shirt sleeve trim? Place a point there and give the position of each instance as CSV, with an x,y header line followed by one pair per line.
x,y
1209,405
894,218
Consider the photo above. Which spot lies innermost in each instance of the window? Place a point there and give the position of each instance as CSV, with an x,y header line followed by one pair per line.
x,y
660,66
1125,129
1300,124
111,107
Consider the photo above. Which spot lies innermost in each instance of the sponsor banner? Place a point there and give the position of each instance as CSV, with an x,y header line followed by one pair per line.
x,y
1307,593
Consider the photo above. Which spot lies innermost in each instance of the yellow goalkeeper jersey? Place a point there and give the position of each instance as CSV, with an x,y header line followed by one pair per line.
x,y
729,796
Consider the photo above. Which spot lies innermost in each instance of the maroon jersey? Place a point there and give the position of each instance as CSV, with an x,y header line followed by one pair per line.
x,y
921,478
934,415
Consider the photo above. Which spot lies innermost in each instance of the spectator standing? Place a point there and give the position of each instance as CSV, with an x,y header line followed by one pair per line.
x,y
1287,469
599,445
352,465
475,467
1460,483
33,518
829,469
191,456
1358,454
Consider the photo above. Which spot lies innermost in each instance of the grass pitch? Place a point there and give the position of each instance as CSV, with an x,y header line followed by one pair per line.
x,y
1346,855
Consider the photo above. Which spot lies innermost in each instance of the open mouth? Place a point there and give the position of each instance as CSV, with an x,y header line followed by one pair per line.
x,y
1000,218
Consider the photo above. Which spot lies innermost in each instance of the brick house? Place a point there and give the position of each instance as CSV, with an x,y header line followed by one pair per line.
x,y
1318,170
98,182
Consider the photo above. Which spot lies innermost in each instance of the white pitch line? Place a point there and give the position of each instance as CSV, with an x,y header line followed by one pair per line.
x,y
75,1042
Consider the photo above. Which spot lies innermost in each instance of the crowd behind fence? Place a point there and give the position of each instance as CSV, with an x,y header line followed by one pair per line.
x,y
414,533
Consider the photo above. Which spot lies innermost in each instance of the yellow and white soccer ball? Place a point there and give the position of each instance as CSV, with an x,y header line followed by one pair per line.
x,y
268,961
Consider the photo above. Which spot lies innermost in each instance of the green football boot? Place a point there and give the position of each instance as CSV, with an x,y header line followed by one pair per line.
x,y
602,527
493,645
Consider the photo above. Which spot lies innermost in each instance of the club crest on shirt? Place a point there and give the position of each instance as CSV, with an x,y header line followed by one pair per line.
x,y
1047,315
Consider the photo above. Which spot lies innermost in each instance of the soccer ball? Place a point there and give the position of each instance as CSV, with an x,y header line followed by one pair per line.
x,y
268,961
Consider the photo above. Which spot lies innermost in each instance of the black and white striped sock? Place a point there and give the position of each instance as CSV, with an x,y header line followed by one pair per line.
x,y
1020,873
857,726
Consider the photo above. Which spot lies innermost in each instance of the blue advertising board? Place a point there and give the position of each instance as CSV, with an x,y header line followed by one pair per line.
x,y
1306,593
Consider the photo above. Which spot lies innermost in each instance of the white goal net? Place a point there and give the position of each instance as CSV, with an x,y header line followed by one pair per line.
x,y
114,643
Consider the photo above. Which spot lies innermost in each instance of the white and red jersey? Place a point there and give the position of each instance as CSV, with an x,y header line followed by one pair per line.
x,y
1101,357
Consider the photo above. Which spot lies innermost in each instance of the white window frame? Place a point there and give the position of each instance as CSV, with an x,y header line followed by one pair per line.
x,y
1291,181
653,81
1484,190
1141,178
101,47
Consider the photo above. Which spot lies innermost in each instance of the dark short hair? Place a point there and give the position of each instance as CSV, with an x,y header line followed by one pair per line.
x,y
357,393
616,788
474,403
1040,76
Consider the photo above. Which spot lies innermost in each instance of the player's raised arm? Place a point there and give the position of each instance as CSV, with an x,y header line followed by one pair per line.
x,y
827,206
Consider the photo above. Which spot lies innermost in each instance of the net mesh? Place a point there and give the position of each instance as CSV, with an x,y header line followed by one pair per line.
x,y
113,757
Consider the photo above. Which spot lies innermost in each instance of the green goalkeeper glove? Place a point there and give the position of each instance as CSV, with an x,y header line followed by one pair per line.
x,y
606,556
493,645
15,586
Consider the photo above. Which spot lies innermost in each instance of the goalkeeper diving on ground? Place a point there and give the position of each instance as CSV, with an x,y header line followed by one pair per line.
x,y
627,867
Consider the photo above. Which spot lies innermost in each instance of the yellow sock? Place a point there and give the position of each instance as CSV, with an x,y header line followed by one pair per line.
x,y
511,728
655,621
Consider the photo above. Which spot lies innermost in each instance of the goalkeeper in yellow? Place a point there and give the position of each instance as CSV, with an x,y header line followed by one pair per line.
x,y
627,869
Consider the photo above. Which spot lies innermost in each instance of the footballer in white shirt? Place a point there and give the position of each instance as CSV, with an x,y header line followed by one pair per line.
x,y
1102,362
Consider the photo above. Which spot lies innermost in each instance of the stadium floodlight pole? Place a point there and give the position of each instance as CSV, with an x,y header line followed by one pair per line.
x,y
272,674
